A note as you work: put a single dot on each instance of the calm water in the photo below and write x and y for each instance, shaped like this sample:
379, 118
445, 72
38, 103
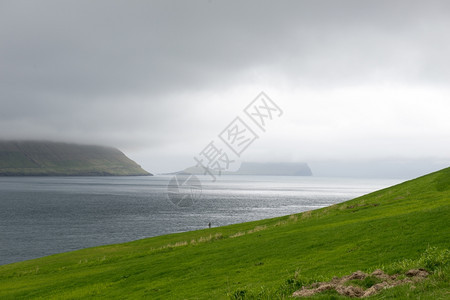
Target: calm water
45, 215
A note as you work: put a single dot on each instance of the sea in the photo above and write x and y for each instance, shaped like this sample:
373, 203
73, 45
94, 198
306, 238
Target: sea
41, 216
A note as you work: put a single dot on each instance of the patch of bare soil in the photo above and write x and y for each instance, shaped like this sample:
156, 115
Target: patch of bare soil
343, 288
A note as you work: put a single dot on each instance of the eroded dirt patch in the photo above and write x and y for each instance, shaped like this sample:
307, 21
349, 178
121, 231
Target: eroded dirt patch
345, 287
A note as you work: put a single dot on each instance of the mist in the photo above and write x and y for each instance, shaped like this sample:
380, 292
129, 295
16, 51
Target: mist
359, 83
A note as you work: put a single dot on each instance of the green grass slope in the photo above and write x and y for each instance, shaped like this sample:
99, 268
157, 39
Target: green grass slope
401, 227
25, 158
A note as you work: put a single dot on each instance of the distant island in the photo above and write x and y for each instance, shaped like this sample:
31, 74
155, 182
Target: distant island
44, 158
258, 168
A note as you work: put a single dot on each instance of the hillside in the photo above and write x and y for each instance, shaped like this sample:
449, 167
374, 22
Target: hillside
38, 158
395, 229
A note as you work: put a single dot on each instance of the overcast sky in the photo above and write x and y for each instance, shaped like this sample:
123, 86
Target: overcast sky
161, 79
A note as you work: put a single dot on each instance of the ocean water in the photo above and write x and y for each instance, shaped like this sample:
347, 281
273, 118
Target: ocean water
46, 215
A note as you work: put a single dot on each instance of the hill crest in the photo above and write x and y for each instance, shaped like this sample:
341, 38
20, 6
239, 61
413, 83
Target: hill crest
45, 158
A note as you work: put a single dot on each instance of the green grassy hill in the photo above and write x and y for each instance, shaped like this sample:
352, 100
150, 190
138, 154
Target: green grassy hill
25, 158
402, 227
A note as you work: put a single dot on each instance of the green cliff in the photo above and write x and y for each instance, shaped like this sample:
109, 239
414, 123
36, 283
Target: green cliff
43, 158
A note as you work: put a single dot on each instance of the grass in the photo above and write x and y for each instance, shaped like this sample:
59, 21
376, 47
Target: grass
366, 282
395, 228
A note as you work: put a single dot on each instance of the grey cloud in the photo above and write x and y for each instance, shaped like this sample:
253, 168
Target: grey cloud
91, 48
89, 69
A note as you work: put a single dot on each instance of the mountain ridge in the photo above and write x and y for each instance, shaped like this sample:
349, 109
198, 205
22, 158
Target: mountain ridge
257, 169
48, 158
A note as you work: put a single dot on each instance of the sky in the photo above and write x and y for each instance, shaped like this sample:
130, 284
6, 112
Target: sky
356, 80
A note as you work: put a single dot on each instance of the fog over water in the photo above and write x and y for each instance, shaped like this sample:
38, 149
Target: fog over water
361, 83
